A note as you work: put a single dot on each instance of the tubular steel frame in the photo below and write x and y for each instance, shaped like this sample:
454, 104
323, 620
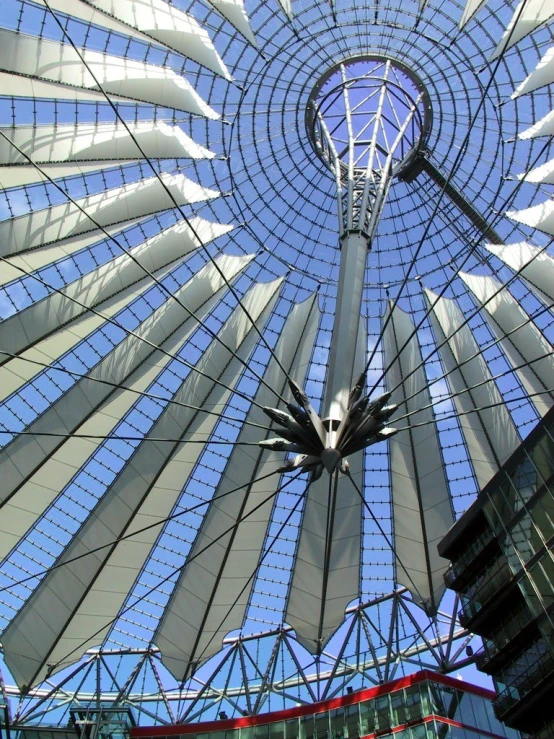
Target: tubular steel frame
95, 682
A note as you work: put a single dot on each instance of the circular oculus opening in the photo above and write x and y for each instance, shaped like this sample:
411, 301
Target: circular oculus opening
368, 108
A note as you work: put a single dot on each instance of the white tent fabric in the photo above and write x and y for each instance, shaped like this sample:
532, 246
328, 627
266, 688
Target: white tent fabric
326, 574
119, 205
20, 370
90, 340
471, 8
422, 512
14, 267
167, 25
287, 7
56, 62
534, 265
85, 142
45, 316
21, 175
168, 328
528, 16
489, 431
543, 174
24, 456
74, 605
539, 77
544, 127
15, 85
539, 216
79, 9
520, 339
235, 13
213, 591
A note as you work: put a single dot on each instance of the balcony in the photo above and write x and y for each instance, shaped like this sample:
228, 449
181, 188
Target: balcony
469, 562
505, 640
474, 602
530, 680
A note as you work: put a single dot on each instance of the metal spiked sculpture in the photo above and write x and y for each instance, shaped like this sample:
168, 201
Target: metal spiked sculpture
317, 445
366, 119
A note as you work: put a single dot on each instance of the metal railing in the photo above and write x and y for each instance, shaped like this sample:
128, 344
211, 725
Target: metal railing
525, 682
503, 636
474, 549
473, 603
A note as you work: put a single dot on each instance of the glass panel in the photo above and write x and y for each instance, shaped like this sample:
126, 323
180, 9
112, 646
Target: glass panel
482, 709
336, 719
542, 582
351, 721
413, 701
399, 711
543, 514
321, 725
383, 718
367, 718
292, 728
306, 727
543, 457
261, 732
276, 730
425, 699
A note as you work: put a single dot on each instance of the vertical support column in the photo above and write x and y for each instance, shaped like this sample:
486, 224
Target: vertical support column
340, 378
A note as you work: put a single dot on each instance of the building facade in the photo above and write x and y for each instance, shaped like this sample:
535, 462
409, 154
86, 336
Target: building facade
502, 569
421, 706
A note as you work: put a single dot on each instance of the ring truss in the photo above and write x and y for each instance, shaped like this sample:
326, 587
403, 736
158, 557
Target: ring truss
170, 258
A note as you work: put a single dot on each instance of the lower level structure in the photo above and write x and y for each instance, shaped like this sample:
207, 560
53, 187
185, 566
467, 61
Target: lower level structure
422, 706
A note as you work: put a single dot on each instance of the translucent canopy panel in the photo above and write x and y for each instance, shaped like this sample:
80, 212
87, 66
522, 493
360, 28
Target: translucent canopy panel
214, 216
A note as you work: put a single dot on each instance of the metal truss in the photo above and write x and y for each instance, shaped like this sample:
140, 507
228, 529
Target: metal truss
254, 673
367, 117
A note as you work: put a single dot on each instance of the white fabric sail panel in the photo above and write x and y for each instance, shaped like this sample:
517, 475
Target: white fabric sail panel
58, 309
490, 434
213, 591
287, 7
18, 265
56, 62
543, 174
545, 127
72, 608
25, 454
19, 370
86, 13
169, 26
528, 16
23, 509
15, 85
235, 13
534, 265
539, 216
316, 604
118, 205
520, 339
85, 142
542, 75
422, 511
471, 8
26, 174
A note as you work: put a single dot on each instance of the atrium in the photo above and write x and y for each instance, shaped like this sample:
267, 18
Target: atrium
276, 295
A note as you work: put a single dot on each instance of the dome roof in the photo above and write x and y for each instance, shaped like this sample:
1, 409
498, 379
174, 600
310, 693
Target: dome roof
171, 261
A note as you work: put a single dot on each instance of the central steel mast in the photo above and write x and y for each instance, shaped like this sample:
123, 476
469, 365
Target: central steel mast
366, 118
367, 128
